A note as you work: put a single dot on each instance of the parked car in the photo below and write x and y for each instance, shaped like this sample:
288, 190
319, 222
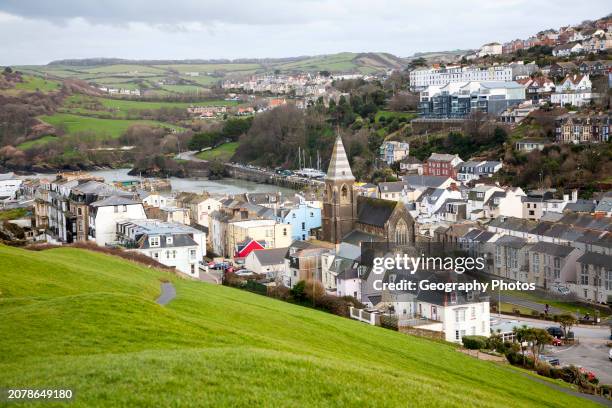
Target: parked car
555, 332
610, 354
557, 342
553, 361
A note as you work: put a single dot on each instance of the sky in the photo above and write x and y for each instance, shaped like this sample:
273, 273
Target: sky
39, 31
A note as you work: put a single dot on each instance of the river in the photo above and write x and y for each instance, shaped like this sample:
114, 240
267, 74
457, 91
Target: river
195, 185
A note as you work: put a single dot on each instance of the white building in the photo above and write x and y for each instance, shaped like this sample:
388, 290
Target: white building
171, 244
421, 78
574, 90
105, 214
493, 48
153, 199
9, 185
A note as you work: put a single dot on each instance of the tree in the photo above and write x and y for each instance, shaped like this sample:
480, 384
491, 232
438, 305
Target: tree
537, 339
567, 321
395, 166
521, 334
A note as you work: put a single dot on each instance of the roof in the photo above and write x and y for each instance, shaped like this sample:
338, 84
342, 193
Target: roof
442, 157
593, 258
273, 256
425, 181
374, 211
392, 186
511, 242
114, 200
552, 249
178, 240
356, 237
339, 167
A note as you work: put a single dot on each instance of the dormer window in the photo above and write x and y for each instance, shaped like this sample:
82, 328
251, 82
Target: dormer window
154, 241
169, 241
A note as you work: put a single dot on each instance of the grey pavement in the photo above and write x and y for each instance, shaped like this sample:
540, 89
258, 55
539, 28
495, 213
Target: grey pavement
168, 292
592, 354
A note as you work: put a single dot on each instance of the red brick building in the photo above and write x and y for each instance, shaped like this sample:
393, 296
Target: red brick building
441, 165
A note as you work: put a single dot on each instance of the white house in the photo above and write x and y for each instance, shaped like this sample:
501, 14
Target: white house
493, 48
270, 262
153, 199
565, 50
574, 90
172, 244
105, 214
9, 185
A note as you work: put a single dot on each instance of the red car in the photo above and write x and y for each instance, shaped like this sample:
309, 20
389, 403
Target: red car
557, 342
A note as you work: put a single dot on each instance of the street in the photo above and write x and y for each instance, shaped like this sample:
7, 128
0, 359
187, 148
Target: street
590, 352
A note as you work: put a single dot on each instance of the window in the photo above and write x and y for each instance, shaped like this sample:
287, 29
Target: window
284, 232
153, 241
557, 267
155, 255
472, 312
609, 279
459, 315
453, 298
79, 211
169, 240
584, 274
536, 264
192, 253
303, 225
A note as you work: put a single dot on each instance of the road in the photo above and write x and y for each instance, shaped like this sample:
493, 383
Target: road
190, 156
580, 332
525, 303
589, 353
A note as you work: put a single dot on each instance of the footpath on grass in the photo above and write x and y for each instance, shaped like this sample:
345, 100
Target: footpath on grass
168, 292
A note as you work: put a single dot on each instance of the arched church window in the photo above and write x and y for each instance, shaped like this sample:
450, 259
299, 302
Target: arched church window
401, 233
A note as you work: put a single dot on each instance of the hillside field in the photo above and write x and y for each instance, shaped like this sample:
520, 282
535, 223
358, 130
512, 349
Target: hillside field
88, 321
102, 128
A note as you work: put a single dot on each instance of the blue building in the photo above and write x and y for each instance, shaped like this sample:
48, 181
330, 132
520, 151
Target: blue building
303, 218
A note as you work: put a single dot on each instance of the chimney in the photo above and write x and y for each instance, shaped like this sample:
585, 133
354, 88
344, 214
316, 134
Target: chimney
566, 197
574, 195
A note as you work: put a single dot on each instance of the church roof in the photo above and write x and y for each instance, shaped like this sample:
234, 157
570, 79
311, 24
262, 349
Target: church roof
374, 211
339, 168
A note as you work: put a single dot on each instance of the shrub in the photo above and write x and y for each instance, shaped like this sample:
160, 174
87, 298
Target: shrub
544, 369
474, 342
389, 322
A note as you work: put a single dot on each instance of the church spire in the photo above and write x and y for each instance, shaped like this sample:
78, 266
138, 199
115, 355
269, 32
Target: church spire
339, 168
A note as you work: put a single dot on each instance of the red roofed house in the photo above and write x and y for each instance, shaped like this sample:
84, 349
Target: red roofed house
244, 248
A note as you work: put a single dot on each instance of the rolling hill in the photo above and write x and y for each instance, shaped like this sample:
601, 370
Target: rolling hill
192, 76
88, 321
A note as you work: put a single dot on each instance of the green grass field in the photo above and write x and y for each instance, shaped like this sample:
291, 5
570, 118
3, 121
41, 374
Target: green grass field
88, 321
124, 105
390, 115
102, 128
223, 153
36, 142
33, 83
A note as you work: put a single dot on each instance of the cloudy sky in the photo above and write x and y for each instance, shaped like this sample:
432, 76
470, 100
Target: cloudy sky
38, 31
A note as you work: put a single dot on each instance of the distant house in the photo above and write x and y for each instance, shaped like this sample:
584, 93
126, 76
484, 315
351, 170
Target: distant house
244, 248
106, 213
392, 151
561, 69
441, 165
9, 185
411, 165
565, 50
493, 48
572, 128
527, 145
473, 170
573, 90
270, 262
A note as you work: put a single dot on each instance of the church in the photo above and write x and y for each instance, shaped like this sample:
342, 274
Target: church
349, 217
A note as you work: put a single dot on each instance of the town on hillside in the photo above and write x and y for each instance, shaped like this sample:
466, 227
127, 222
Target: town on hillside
281, 179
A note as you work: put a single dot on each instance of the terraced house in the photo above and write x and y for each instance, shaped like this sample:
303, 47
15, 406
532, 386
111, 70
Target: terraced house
577, 128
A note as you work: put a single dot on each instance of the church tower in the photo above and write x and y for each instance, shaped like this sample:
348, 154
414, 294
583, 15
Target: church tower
340, 200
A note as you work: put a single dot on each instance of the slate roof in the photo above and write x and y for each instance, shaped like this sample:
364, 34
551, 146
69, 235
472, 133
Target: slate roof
552, 249
114, 200
392, 186
374, 211
356, 237
511, 242
178, 240
425, 181
594, 258
273, 256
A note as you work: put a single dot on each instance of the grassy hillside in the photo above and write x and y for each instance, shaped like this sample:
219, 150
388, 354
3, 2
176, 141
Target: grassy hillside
103, 128
178, 78
88, 321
